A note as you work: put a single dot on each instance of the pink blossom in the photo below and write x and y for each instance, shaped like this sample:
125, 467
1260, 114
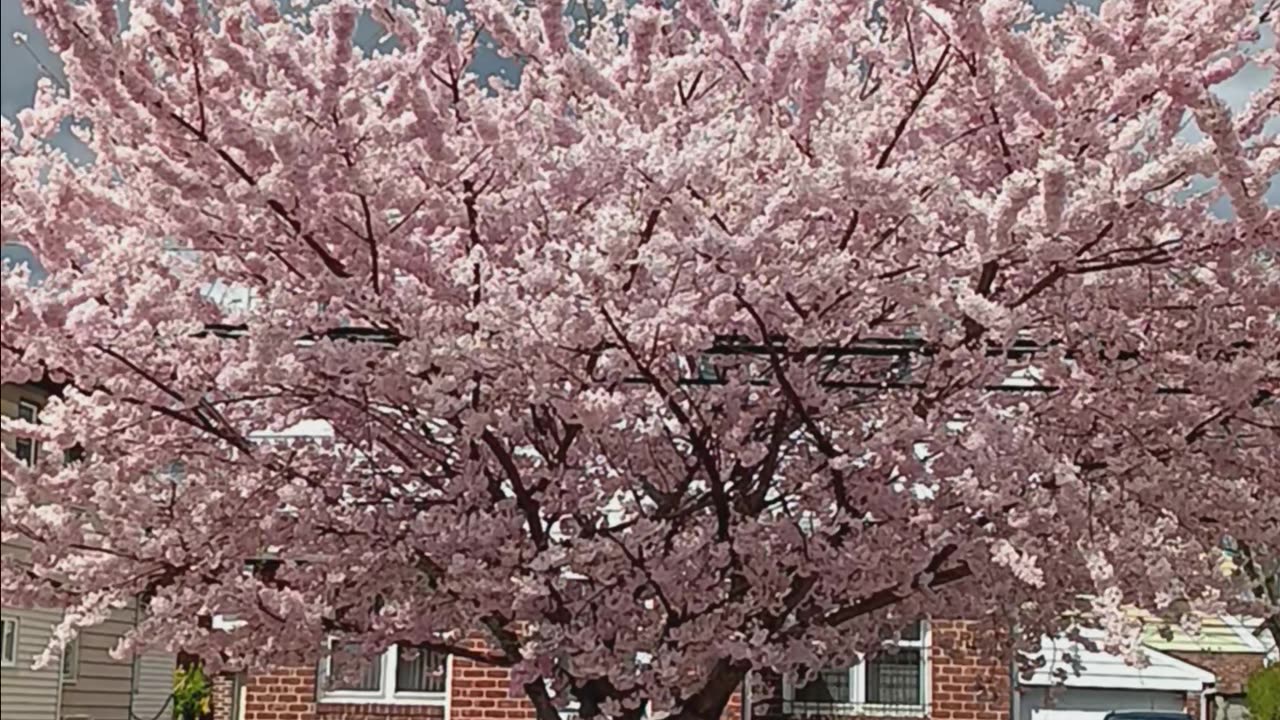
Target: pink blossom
668, 358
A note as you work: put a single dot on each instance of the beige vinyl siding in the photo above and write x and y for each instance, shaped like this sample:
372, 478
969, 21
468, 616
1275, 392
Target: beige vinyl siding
102, 687
26, 693
153, 684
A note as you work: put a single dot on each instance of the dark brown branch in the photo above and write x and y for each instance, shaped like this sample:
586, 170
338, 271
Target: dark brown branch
915, 105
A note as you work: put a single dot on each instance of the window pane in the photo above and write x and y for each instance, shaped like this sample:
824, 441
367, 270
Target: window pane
349, 671
72, 454
9, 641
419, 670
893, 678
830, 686
25, 450
71, 660
27, 411
912, 631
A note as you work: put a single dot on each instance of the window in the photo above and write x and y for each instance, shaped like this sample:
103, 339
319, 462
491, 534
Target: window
26, 449
349, 672
8, 642
895, 679
419, 670
71, 661
402, 675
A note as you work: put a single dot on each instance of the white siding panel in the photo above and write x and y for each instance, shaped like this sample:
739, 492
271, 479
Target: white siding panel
103, 685
26, 693
153, 684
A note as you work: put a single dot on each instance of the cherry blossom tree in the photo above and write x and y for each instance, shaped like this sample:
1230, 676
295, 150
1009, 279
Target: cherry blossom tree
730, 336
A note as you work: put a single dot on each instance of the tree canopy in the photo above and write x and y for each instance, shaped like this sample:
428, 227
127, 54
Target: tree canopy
731, 336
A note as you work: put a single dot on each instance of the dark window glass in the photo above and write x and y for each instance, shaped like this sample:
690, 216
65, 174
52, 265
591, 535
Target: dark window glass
419, 670
25, 450
349, 671
894, 678
831, 686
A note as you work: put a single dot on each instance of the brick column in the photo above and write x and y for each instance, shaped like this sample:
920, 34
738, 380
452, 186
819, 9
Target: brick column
282, 694
221, 696
969, 681
481, 692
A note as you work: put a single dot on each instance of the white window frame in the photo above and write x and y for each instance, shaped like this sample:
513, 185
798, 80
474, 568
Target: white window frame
35, 418
386, 694
72, 652
9, 628
858, 704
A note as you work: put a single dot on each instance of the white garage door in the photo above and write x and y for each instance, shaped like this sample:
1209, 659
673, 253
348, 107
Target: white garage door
1094, 704
1041, 714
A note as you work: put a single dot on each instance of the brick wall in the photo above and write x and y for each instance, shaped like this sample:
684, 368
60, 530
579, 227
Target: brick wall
1191, 705
969, 681
220, 696
485, 693
283, 694
1232, 669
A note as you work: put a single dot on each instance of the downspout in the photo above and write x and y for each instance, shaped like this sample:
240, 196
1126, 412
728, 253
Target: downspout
57, 699
133, 666
1015, 691
1204, 702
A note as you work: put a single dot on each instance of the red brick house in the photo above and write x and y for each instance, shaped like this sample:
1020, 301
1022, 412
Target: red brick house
940, 670
936, 672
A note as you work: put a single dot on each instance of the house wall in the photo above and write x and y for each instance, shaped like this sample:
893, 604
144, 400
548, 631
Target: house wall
102, 688
1232, 669
967, 683
476, 692
25, 693
153, 686
222, 697
28, 694
108, 689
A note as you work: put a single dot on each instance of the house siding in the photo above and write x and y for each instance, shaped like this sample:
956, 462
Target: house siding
30, 694
153, 686
103, 688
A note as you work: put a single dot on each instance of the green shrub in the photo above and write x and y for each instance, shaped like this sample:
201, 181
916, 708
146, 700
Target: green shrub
191, 693
1263, 693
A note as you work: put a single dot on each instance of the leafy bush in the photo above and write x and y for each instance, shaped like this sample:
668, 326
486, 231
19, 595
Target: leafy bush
1263, 693
191, 693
